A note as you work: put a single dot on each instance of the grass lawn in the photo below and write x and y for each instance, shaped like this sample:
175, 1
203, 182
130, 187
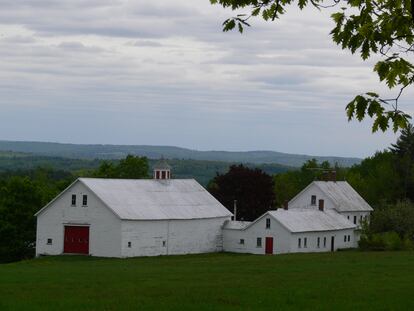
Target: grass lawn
331, 281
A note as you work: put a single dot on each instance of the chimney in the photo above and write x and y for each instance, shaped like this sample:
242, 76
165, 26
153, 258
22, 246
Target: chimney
321, 205
235, 210
286, 205
333, 176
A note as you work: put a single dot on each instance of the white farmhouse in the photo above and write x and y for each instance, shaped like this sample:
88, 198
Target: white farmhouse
325, 216
338, 196
125, 218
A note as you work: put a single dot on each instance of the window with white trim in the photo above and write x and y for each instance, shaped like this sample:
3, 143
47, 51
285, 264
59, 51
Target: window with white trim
259, 242
49, 241
267, 223
299, 243
305, 242
313, 200
241, 242
73, 199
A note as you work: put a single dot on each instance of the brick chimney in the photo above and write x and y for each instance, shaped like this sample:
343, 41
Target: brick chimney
321, 205
286, 205
333, 176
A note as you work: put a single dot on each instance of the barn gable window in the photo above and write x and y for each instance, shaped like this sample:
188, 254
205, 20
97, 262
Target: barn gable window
84, 200
313, 200
267, 223
49, 241
259, 242
73, 199
242, 241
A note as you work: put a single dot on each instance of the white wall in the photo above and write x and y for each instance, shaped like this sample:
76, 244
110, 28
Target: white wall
231, 238
105, 227
304, 199
168, 237
283, 240
312, 241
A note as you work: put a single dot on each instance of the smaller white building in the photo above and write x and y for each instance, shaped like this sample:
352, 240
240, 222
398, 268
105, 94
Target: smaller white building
325, 216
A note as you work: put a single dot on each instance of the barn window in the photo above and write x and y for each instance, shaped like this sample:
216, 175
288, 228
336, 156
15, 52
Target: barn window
259, 242
73, 199
319, 242
129, 244
163, 175
164, 243
49, 241
84, 200
242, 241
360, 219
324, 241
345, 237
355, 220
299, 243
348, 217
313, 200
305, 242
267, 223
349, 238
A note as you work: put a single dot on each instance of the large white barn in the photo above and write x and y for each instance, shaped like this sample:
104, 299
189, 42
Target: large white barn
125, 218
325, 216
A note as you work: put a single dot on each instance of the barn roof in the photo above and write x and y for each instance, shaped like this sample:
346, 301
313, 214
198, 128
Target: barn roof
305, 220
148, 199
342, 195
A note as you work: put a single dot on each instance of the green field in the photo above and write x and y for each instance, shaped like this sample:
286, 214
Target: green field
331, 281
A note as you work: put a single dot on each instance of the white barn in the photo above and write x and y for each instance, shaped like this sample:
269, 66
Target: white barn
125, 218
325, 216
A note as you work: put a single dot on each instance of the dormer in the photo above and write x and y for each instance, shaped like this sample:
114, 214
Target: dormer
162, 170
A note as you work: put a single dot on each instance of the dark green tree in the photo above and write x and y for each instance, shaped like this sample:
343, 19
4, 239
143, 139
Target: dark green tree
252, 188
404, 151
369, 27
20, 199
132, 167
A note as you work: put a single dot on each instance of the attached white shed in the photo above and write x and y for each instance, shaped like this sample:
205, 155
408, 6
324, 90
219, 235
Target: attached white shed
290, 231
125, 218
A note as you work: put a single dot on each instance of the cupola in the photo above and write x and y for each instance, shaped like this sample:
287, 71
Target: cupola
162, 170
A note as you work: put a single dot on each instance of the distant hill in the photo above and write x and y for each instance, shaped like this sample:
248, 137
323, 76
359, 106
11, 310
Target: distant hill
78, 151
202, 171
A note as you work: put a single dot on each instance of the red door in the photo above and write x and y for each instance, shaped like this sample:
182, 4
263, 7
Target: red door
269, 245
76, 240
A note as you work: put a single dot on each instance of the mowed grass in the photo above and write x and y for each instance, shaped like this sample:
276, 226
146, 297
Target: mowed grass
331, 281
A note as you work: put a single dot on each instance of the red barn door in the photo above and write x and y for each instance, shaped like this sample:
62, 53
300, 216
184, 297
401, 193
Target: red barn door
76, 240
269, 245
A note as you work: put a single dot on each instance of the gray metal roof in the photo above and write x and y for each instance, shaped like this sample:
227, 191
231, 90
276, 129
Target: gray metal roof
236, 225
143, 199
305, 220
344, 197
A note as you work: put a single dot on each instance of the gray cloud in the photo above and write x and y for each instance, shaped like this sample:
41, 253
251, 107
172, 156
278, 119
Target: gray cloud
165, 73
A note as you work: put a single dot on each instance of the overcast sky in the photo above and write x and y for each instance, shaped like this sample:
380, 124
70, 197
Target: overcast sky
163, 73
